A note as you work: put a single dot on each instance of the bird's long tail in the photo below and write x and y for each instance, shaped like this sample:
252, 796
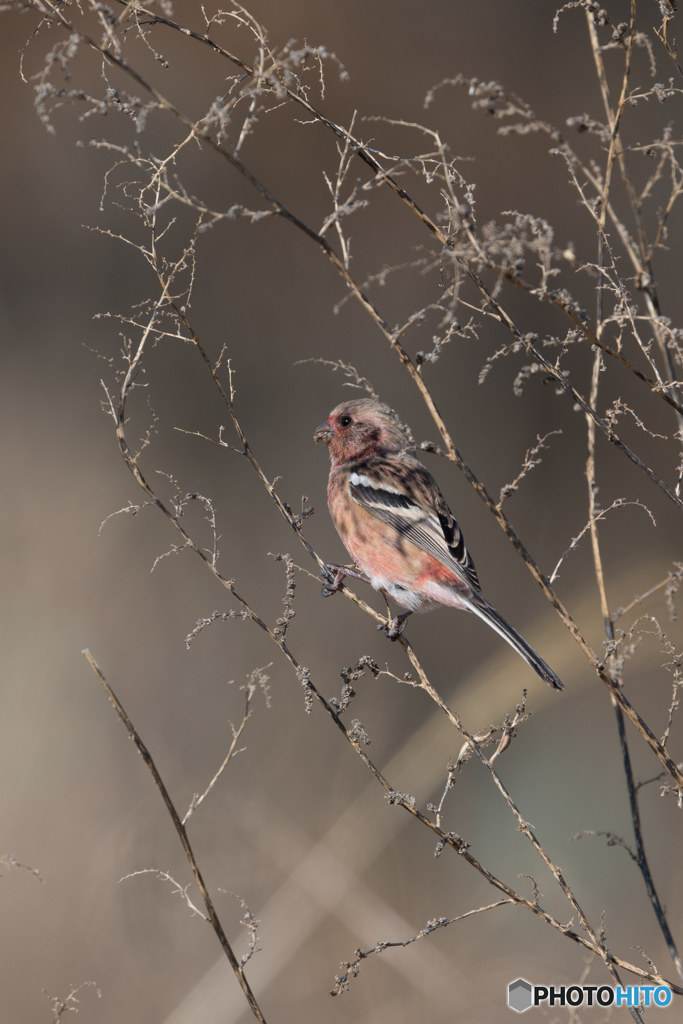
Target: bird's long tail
480, 606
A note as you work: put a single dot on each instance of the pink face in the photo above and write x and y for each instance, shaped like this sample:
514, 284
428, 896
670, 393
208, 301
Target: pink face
351, 434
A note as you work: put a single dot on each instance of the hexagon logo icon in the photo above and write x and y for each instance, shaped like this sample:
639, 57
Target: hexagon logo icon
519, 995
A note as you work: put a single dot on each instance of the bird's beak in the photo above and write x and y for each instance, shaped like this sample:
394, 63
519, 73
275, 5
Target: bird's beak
323, 432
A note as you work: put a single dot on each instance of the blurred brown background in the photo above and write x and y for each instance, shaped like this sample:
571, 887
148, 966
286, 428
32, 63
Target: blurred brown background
296, 826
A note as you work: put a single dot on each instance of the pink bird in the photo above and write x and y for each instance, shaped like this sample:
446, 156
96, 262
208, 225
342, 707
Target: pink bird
397, 527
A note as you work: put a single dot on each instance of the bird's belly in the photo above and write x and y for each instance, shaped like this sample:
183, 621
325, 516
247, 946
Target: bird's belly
382, 554
411, 576
405, 598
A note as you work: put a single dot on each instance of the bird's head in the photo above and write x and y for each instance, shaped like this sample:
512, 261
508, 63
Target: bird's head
362, 429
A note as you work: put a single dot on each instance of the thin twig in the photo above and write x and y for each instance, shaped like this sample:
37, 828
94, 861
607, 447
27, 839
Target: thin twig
352, 968
182, 835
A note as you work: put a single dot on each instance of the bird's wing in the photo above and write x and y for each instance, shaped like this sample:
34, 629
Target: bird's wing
431, 526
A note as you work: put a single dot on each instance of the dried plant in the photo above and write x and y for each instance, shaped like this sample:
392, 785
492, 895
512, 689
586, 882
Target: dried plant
471, 270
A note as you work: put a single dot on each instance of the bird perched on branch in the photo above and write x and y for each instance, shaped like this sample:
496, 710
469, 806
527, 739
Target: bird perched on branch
397, 527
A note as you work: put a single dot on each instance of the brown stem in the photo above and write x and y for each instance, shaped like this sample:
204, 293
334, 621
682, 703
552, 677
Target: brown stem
135, 363
457, 844
182, 835
659, 389
616, 146
505, 319
339, 265
371, 161
641, 857
522, 826
48, 8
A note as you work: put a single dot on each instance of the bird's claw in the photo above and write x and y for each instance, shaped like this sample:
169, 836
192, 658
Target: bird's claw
394, 628
332, 582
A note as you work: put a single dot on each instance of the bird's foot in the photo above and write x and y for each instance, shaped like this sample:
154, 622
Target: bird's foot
333, 576
332, 580
394, 628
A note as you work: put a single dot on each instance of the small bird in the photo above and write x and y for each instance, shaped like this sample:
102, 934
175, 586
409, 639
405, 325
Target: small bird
397, 527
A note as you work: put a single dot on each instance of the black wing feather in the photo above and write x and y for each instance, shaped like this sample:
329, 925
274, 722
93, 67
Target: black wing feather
434, 531
457, 547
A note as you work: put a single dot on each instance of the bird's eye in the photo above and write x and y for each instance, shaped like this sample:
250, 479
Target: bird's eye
345, 421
